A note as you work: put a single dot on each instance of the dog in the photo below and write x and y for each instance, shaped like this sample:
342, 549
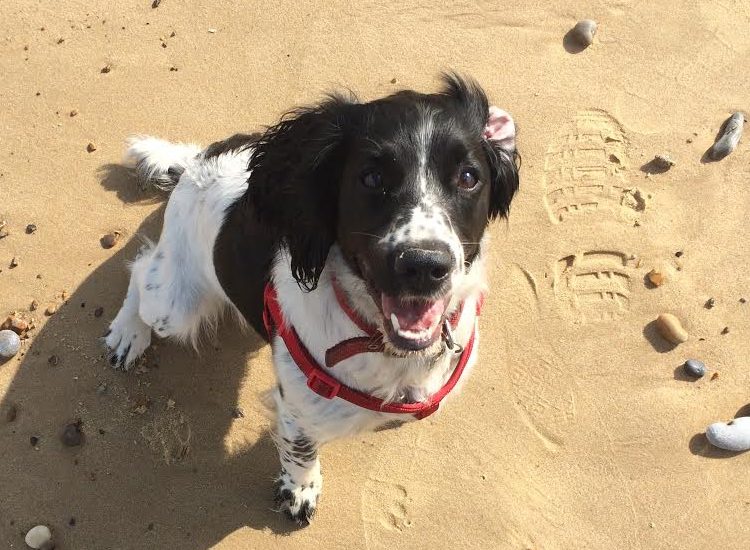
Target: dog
352, 237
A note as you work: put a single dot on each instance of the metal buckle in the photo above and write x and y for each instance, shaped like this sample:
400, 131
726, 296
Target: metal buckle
323, 387
448, 338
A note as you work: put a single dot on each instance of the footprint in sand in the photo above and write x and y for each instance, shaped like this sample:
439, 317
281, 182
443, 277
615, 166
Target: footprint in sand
585, 171
169, 436
384, 506
594, 285
542, 390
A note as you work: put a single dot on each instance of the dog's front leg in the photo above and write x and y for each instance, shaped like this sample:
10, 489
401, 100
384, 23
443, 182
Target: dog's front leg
299, 485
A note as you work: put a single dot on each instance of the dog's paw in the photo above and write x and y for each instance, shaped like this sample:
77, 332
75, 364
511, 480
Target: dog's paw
298, 502
126, 342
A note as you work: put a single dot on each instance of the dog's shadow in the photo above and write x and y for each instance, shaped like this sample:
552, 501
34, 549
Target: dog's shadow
154, 470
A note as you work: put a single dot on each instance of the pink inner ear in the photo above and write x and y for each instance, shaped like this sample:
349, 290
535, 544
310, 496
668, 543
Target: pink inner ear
501, 128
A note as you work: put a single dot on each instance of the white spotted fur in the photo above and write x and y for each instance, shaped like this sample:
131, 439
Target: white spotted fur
174, 291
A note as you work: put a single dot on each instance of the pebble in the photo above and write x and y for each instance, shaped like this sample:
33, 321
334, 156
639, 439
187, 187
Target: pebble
729, 138
72, 435
710, 303
663, 162
671, 328
14, 261
38, 537
110, 239
695, 368
98, 312
91, 147
731, 436
53, 360
51, 310
34, 440
725, 330
73, 113
16, 324
3, 231
584, 32
31, 228
656, 278
10, 343
107, 68
34, 305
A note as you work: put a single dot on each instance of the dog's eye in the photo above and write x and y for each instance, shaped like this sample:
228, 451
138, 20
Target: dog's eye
467, 179
372, 180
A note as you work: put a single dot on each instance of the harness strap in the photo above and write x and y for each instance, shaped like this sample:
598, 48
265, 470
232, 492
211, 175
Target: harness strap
325, 385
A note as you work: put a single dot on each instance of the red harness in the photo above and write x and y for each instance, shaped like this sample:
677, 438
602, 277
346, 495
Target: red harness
325, 385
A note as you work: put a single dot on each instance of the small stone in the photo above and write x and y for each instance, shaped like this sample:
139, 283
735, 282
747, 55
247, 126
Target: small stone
679, 253
714, 376
72, 435
725, 330
31, 228
212, 31
710, 303
73, 113
34, 305
729, 138
689, 140
110, 239
14, 262
731, 436
38, 537
10, 343
670, 328
101, 388
393, 80
72, 522
583, 32
173, 69
98, 312
656, 278
155, 4
16, 324
91, 147
34, 440
107, 68
53, 360
695, 368
51, 310
170, 404
238, 413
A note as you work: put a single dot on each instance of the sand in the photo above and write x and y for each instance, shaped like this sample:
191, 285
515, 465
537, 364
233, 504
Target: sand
577, 429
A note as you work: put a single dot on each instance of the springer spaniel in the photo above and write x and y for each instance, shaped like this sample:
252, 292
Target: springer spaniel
351, 236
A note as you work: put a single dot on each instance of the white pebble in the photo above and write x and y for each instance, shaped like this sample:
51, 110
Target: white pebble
732, 436
38, 536
10, 343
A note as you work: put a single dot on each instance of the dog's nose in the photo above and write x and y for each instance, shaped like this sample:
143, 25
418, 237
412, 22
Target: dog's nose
424, 266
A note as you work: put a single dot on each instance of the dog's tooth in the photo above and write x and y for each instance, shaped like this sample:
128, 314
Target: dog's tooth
394, 322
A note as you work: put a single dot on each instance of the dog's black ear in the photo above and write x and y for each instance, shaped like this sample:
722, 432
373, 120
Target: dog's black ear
294, 182
498, 132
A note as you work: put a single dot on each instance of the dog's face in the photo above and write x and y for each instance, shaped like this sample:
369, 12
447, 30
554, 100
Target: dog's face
405, 185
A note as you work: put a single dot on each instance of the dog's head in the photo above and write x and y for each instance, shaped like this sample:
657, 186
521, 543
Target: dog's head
405, 185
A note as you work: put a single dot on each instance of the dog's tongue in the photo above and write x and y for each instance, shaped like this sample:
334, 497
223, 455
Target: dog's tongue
413, 317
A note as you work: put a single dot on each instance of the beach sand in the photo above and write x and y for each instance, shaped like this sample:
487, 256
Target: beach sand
576, 430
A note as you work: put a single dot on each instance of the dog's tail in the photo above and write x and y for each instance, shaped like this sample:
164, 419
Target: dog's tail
158, 163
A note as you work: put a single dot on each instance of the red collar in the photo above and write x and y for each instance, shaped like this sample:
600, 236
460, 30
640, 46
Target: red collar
325, 385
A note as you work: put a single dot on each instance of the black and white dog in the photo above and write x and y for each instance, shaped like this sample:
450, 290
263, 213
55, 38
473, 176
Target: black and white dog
351, 234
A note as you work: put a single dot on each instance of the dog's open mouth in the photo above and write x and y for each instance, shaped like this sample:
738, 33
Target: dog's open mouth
413, 324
